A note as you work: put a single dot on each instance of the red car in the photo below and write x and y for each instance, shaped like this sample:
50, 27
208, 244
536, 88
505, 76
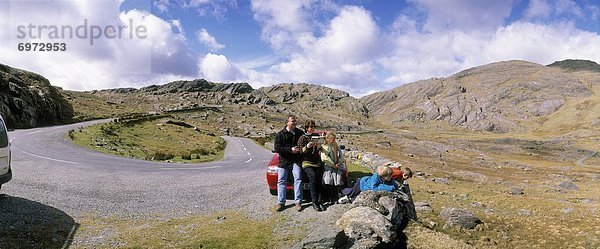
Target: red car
272, 178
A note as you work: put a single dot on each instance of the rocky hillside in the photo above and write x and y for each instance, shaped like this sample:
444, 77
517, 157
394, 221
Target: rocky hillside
577, 65
242, 109
28, 100
498, 97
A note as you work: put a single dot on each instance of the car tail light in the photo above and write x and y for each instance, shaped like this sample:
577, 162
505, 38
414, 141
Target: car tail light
274, 160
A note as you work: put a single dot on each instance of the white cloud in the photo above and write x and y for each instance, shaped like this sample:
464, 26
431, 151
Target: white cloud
162, 5
312, 41
208, 40
116, 62
284, 21
217, 68
177, 24
341, 58
543, 43
421, 55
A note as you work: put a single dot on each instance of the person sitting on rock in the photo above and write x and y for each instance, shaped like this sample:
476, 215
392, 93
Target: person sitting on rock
382, 180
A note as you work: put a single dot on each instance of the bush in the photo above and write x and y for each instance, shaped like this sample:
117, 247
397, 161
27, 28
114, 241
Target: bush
201, 151
162, 155
186, 156
221, 144
71, 134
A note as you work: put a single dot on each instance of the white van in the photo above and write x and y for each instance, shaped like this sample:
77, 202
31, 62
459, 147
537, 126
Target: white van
5, 171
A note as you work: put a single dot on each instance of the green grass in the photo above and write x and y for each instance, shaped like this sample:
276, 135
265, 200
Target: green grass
227, 229
151, 140
356, 171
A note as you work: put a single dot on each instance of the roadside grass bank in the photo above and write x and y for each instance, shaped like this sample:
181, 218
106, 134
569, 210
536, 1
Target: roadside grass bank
160, 139
225, 229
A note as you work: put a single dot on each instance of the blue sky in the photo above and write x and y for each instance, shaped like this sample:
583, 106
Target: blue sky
359, 46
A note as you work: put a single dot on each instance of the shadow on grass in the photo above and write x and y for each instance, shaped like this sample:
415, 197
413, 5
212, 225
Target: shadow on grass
29, 224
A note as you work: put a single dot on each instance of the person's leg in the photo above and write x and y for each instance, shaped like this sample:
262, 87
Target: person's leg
355, 190
320, 184
297, 171
311, 172
282, 174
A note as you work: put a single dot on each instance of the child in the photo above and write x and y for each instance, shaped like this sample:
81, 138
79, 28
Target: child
382, 180
398, 175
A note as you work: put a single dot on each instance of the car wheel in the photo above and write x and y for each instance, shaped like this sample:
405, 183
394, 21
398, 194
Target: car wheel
273, 191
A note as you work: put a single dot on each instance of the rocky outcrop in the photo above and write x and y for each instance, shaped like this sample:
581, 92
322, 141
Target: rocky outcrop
376, 220
28, 100
314, 97
577, 65
198, 85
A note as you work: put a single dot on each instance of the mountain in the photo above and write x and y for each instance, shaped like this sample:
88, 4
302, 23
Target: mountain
243, 110
510, 96
28, 100
577, 65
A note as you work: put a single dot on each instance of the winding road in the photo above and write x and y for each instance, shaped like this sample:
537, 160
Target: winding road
50, 170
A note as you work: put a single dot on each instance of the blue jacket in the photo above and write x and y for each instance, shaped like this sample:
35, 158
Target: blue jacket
375, 183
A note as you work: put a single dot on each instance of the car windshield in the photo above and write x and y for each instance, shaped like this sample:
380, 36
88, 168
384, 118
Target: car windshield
3, 135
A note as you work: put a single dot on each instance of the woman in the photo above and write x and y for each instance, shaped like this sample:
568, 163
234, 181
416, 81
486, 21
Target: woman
333, 160
311, 163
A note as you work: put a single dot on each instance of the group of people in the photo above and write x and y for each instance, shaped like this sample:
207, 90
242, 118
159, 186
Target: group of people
324, 164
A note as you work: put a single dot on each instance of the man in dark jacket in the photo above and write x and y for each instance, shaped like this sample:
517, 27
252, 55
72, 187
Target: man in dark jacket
290, 159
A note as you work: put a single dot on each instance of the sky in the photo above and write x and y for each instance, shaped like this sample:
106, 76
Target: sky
358, 46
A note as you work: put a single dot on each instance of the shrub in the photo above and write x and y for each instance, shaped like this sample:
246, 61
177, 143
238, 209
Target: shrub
201, 151
186, 156
221, 144
162, 155
71, 134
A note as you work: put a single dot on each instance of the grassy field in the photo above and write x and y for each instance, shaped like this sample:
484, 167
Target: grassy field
158, 139
481, 168
226, 229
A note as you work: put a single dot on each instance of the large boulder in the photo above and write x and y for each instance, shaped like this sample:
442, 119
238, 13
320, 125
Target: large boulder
454, 217
28, 100
375, 220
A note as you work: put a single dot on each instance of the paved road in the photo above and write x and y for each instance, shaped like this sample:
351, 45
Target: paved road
49, 170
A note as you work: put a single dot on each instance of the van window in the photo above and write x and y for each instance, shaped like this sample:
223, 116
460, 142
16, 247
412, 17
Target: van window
3, 135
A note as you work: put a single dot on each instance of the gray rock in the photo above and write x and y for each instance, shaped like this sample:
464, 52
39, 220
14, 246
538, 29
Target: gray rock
384, 144
441, 180
587, 201
525, 212
369, 199
567, 210
394, 210
515, 190
326, 239
454, 217
568, 185
423, 207
28, 100
364, 223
